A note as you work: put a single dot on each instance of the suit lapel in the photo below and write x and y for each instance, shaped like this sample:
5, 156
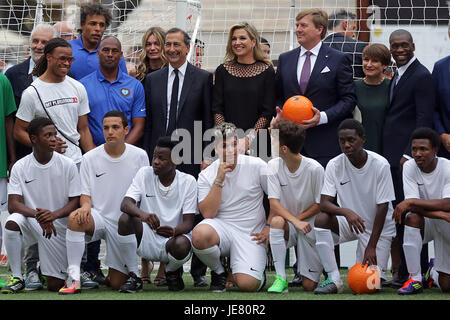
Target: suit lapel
187, 83
321, 62
165, 77
293, 71
408, 73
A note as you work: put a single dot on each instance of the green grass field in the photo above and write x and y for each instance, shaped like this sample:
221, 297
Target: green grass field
152, 292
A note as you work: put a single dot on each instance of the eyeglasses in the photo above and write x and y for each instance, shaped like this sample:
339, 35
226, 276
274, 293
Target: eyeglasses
63, 59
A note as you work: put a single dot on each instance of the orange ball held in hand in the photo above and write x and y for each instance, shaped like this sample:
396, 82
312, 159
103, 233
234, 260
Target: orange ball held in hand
297, 109
363, 279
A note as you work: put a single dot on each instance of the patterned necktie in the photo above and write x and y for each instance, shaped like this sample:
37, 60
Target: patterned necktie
393, 84
306, 72
173, 105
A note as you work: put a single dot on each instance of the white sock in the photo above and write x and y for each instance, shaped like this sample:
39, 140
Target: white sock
175, 264
278, 247
75, 244
13, 246
412, 246
128, 247
435, 276
211, 257
325, 249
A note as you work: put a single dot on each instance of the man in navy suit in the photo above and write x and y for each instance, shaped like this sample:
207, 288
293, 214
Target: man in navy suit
341, 26
21, 78
412, 103
323, 75
172, 105
441, 75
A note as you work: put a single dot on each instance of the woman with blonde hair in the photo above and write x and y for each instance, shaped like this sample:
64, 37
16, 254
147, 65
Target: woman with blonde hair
244, 90
152, 55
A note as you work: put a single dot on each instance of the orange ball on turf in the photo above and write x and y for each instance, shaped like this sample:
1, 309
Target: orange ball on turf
297, 109
363, 279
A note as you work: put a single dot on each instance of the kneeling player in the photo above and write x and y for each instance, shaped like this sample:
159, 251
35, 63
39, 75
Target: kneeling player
294, 187
163, 221
230, 193
43, 189
361, 181
106, 173
426, 183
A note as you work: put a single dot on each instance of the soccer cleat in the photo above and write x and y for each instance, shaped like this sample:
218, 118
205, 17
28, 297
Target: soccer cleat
411, 287
14, 285
74, 288
329, 287
201, 282
175, 280
98, 276
427, 280
218, 282
32, 281
279, 285
87, 282
132, 285
296, 282
3, 283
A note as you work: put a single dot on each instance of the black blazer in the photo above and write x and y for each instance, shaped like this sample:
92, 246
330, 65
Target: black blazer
351, 46
330, 89
194, 105
412, 105
20, 80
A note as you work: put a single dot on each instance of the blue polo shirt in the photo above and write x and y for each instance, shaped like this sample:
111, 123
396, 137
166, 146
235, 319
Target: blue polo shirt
87, 62
125, 94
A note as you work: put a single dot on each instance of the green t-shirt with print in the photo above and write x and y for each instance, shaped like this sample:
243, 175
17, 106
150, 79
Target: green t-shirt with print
7, 106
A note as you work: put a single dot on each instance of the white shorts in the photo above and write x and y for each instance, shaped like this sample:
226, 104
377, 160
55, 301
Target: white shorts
246, 256
153, 246
3, 194
108, 231
383, 245
308, 261
439, 231
52, 252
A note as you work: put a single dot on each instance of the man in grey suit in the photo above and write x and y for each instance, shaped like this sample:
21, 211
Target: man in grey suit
177, 96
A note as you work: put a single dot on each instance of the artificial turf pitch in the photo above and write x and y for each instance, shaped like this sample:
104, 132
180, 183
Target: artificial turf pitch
152, 292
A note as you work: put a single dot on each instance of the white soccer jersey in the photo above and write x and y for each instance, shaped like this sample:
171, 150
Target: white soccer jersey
361, 190
46, 186
299, 190
242, 192
106, 179
427, 186
168, 203
64, 102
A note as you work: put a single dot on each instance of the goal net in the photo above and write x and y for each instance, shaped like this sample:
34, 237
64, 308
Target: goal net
208, 22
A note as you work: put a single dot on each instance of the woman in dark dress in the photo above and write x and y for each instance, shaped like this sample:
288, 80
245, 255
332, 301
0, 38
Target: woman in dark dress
152, 58
372, 93
244, 90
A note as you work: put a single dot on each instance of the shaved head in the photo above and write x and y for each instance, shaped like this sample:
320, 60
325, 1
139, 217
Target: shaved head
108, 39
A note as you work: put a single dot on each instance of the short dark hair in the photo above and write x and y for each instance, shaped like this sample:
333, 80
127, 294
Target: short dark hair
428, 134
290, 135
377, 52
352, 124
401, 32
186, 38
117, 113
166, 142
42, 64
89, 9
263, 40
37, 124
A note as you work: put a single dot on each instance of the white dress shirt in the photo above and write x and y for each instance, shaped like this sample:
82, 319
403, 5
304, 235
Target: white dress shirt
181, 74
313, 58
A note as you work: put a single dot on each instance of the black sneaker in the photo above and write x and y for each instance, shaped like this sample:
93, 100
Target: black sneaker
218, 282
98, 277
201, 282
134, 284
296, 282
175, 280
14, 285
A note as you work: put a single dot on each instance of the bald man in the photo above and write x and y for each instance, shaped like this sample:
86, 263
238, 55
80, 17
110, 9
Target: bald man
111, 89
